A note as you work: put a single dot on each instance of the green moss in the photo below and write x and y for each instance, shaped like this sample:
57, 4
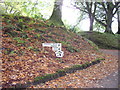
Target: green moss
100, 59
76, 66
56, 34
39, 31
64, 42
9, 51
84, 65
72, 49
34, 49
63, 72
93, 44
97, 60
42, 38
24, 35
52, 39
39, 78
87, 64
51, 76
13, 34
47, 77
18, 40
8, 21
77, 40
103, 40
60, 71
21, 41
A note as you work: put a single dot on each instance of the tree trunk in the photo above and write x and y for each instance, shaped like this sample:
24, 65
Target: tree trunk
56, 16
118, 15
91, 22
109, 22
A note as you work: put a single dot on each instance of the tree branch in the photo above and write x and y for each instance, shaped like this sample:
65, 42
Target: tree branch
100, 22
95, 5
80, 9
115, 11
102, 3
117, 6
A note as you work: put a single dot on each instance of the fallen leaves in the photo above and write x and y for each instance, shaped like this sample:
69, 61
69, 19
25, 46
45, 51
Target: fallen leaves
22, 62
85, 78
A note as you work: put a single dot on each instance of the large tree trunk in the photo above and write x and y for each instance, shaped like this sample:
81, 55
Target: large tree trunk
56, 16
91, 22
109, 22
91, 12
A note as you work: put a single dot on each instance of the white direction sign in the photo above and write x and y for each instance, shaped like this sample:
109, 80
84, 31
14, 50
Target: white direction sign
56, 47
59, 53
47, 44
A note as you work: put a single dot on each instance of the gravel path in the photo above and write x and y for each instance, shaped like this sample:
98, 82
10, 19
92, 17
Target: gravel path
111, 81
111, 52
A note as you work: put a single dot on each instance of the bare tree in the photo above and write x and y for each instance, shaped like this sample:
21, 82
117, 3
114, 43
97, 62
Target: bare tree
89, 8
108, 10
102, 12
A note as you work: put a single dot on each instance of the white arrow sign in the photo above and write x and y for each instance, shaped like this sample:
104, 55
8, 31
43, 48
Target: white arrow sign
56, 47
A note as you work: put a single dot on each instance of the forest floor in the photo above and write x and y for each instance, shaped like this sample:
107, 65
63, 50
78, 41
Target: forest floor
24, 58
102, 75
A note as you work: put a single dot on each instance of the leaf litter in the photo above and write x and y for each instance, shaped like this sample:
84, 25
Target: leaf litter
23, 58
86, 78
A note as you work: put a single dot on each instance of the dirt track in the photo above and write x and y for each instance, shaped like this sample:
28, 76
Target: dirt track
112, 52
110, 81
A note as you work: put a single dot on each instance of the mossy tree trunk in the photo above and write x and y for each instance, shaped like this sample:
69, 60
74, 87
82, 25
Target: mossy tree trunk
109, 16
56, 16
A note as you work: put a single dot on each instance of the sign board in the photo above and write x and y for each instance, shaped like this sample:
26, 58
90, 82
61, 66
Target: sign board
59, 53
47, 44
56, 47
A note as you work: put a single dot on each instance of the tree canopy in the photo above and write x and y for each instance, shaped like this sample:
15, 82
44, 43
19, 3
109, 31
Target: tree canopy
99, 13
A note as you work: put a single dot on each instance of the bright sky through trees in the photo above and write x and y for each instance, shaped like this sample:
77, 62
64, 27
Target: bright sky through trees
69, 14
